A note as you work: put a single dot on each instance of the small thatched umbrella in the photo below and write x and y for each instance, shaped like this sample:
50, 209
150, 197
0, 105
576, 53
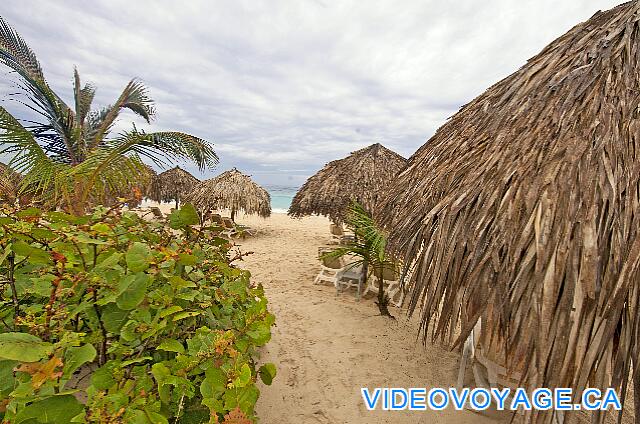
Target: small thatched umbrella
360, 176
173, 184
231, 190
523, 209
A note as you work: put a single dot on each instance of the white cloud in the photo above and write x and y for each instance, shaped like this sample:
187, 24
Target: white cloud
293, 84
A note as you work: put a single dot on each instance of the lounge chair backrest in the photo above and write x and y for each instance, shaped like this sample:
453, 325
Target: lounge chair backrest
336, 230
157, 212
228, 223
217, 219
333, 263
389, 274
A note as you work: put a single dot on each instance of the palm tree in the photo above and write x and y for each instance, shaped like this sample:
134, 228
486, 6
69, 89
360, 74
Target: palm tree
68, 154
368, 246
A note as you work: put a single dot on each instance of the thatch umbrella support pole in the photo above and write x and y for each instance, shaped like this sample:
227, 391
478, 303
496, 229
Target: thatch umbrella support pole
233, 215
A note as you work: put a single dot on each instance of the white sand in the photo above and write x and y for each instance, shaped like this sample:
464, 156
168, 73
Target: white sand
327, 347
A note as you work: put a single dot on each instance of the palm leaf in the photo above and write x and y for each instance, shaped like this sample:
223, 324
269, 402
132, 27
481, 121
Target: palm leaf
135, 98
165, 148
40, 172
83, 98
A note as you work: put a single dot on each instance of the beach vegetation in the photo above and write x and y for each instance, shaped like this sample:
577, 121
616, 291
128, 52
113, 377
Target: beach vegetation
107, 317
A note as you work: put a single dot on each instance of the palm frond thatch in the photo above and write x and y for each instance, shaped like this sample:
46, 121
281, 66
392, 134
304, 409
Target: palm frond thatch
361, 176
133, 191
173, 185
523, 209
231, 190
9, 184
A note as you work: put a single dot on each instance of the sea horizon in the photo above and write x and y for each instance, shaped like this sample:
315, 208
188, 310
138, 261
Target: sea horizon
281, 196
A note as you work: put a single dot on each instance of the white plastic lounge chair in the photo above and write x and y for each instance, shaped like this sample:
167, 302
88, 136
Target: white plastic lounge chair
336, 233
157, 213
329, 269
350, 276
487, 373
391, 286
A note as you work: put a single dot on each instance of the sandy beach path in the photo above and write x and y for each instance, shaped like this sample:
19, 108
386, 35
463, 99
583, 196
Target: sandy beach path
325, 346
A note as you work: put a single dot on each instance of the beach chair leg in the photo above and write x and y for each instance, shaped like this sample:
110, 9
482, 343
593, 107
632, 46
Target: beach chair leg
478, 375
492, 376
466, 353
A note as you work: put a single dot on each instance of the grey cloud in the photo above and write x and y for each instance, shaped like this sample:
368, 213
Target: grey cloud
292, 85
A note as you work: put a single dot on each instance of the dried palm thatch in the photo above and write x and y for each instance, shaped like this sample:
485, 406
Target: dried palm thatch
145, 186
9, 184
231, 190
173, 185
523, 209
361, 176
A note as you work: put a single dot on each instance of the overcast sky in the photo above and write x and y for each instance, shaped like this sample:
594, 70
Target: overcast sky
282, 87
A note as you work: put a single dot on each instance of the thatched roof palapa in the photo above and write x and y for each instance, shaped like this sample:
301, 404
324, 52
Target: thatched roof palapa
360, 176
231, 190
173, 185
524, 209
9, 184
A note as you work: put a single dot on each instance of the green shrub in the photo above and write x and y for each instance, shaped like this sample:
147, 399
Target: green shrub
109, 318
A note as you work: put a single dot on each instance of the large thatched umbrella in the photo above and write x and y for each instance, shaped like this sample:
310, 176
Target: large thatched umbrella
173, 184
231, 190
523, 209
360, 176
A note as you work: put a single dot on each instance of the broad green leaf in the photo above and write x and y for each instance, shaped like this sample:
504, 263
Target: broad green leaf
214, 384
267, 373
101, 228
186, 259
54, 409
260, 333
110, 262
134, 293
171, 345
170, 310
23, 347
30, 212
180, 283
242, 397
138, 257
102, 378
35, 255
6, 376
156, 418
184, 217
161, 373
185, 314
113, 317
83, 238
244, 377
75, 357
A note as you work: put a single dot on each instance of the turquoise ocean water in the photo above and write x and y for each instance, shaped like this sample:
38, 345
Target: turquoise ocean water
281, 197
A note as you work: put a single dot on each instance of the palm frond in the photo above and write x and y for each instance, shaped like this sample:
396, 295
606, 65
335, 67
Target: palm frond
165, 148
83, 98
40, 172
135, 98
15, 53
